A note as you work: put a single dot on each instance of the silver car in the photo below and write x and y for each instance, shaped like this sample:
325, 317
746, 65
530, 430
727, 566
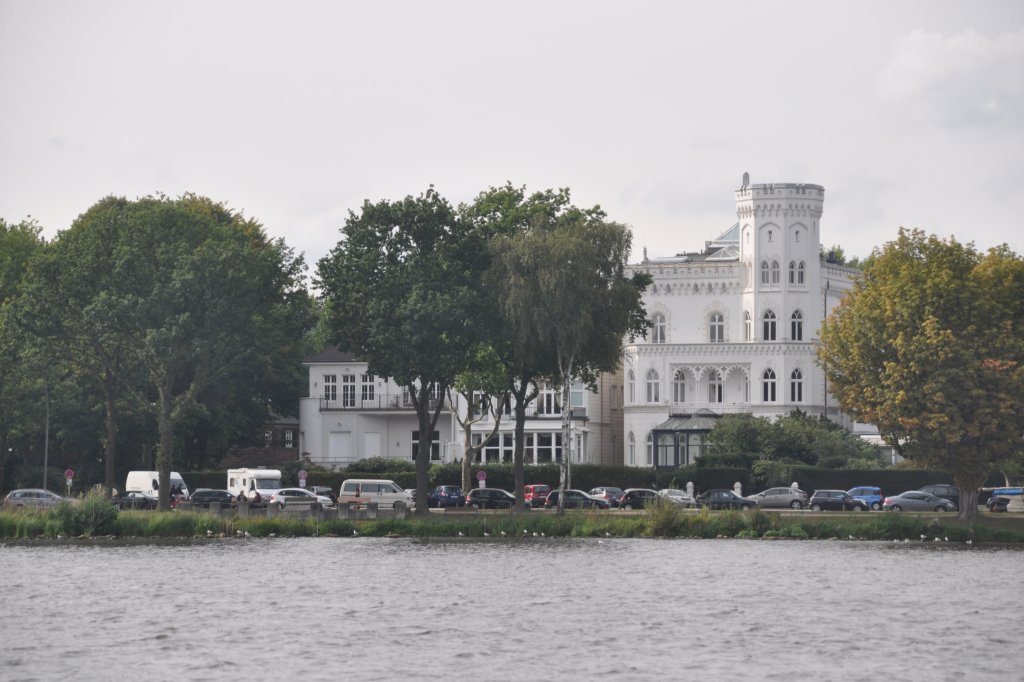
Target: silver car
678, 496
34, 498
781, 498
917, 500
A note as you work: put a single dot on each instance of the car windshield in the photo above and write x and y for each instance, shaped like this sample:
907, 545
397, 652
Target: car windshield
267, 483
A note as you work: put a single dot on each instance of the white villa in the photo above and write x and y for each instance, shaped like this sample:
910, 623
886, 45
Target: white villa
734, 327
733, 331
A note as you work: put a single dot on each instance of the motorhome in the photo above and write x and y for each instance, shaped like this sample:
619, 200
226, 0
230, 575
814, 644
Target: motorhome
149, 482
266, 482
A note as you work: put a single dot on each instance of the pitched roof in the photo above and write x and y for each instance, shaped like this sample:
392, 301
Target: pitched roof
329, 356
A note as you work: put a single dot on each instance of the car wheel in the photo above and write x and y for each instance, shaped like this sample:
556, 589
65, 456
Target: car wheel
815, 507
896, 508
940, 508
745, 507
858, 508
796, 504
876, 506
628, 506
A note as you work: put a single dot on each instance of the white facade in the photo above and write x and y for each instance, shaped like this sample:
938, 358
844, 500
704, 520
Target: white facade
734, 327
351, 415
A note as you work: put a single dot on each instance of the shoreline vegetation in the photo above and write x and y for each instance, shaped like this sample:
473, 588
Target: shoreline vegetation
95, 520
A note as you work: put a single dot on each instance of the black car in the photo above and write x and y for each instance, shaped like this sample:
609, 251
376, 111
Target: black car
204, 496
324, 491
575, 499
724, 499
137, 499
490, 498
637, 498
946, 491
446, 496
836, 500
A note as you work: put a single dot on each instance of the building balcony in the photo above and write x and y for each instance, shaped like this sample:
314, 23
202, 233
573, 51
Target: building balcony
388, 402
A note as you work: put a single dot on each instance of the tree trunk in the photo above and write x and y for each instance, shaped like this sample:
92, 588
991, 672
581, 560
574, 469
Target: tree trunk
520, 442
110, 447
969, 501
563, 470
165, 453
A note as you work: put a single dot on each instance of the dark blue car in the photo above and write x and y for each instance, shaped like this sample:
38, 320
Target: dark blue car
446, 496
870, 494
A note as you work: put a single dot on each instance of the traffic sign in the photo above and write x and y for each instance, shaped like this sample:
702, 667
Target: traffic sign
69, 474
481, 475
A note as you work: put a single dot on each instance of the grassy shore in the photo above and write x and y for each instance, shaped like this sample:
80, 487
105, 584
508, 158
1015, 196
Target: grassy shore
664, 521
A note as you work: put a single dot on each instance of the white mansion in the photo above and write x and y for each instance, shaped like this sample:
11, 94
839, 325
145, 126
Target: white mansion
733, 331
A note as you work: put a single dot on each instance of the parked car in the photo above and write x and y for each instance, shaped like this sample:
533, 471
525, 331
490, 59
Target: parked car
946, 491
204, 496
608, 494
286, 496
324, 490
870, 494
781, 498
138, 499
836, 500
575, 499
997, 503
637, 498
490, 498
678, 496
917, 500
31, 498
535, 494
724, 499
446, 496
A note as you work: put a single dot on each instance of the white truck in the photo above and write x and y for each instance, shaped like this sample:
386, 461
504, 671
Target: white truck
149, 482
252, 482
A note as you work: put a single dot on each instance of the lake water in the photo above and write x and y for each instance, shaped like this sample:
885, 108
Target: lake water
615, 609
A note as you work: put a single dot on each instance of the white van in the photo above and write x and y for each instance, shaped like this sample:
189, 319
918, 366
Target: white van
266, 482
382, 491
149, 482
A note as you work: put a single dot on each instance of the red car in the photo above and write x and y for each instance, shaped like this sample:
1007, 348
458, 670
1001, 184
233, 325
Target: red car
535, 494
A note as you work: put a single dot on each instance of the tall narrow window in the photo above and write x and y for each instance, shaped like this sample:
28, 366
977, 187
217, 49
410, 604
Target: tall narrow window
769, 326
632, 449
764, 272
650, 449
792, 272
768, 386
367, 388
796, 326
679, 386
775, 272
748, 327
796, 387
715, 392
348, 390
717, 326
548, 400
658, 329
632, 387
330, 387
800, 273
652, 387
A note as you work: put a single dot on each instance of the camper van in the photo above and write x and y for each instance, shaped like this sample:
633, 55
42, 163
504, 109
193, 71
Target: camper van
363, 490
149, 482
266, 482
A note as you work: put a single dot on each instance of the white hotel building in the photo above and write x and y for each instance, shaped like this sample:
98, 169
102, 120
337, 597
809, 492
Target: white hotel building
734, 327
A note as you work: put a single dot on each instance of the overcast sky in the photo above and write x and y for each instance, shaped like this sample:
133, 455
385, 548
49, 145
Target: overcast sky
908, 113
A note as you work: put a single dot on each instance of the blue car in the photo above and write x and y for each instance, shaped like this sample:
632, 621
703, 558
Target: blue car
870, 494
446, 496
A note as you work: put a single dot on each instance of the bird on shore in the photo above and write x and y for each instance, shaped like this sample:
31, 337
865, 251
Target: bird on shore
461, 534
486, 534
354, 532
503, 533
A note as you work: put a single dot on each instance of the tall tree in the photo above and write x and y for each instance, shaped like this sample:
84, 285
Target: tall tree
403, 286
559, 278
929, 346
484, 392
174, 297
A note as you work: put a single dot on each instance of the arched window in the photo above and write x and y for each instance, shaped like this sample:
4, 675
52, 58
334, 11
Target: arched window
768, 386
796, 387
769, 326
792, 272
775, 272
764, 272
715, 386
717, 327
652, 387
632, 387
746, 389
650, 449
796, 326
632, 449
748, 327
658, 326
679, 386
800, 273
